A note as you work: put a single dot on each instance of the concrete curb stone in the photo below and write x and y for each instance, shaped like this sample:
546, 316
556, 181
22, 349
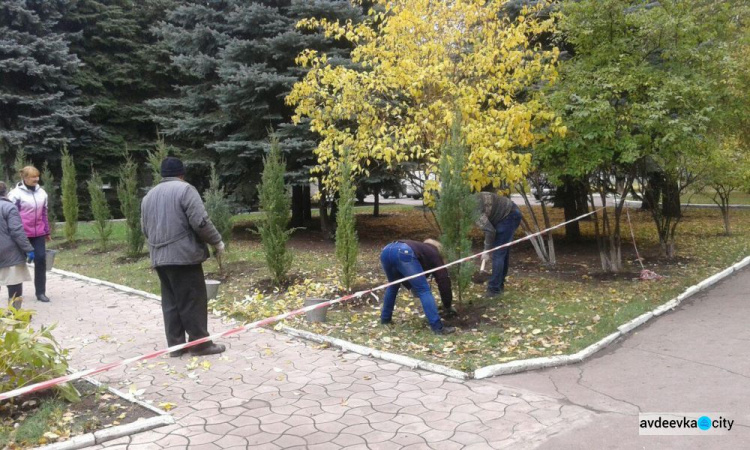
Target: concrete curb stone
482, 372
119, 287
107, 434
406, 361
638, 321
670, 305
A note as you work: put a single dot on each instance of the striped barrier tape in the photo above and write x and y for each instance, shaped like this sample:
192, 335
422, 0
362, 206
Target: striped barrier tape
260, 323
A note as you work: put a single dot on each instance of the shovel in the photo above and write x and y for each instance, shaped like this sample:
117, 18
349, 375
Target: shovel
482, 276
221, 267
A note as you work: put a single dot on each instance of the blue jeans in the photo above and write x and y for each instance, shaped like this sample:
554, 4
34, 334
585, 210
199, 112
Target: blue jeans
398, 261
504, 232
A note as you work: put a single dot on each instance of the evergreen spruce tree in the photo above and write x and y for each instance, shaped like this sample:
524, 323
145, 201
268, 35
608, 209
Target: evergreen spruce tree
347, 245
69, 195
130, 205
218, 208
100, 210
456, 210
48, 183
124, 65
275, 204
38, 99
237, 60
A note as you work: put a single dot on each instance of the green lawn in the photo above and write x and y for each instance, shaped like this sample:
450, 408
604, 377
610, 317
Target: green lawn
546, 310
736, 198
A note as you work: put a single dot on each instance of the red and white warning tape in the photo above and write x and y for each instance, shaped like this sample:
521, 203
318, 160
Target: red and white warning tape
260, 323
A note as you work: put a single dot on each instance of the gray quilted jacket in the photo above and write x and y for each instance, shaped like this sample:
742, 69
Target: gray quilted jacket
13, 241
176, 224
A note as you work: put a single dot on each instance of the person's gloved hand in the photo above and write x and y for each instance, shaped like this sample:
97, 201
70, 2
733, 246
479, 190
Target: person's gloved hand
449, 312
30, 257
219, 249
487, 259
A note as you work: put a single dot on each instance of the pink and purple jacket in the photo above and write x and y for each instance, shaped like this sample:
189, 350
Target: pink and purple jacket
32, 205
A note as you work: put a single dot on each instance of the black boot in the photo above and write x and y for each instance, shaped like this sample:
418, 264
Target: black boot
212, 349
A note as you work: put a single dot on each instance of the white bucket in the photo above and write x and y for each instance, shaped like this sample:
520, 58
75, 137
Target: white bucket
212, 288
316, 315
50, 256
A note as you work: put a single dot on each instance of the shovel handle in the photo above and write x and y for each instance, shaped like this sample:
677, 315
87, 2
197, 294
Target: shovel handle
481, 267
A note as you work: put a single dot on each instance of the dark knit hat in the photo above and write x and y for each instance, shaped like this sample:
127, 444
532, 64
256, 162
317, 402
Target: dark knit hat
172, 167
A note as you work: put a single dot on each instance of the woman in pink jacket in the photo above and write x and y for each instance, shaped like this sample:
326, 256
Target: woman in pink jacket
31, 201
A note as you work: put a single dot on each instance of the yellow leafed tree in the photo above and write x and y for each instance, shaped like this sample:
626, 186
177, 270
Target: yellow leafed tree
415, 64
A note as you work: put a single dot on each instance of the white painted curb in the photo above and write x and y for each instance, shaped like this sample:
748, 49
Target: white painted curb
119, 287
638, 321
482, 372
107, 434
386, 356
540, 363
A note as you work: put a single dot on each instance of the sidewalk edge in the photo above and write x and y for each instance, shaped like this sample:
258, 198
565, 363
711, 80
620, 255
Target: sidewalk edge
107, 434
119, 287
486, 371
622, 330
386, 356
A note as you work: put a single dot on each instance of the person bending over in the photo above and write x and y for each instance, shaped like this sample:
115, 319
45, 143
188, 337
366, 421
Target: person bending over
405, 258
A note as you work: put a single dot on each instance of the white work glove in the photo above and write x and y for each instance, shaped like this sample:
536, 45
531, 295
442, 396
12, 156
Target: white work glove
219, 248
486, 264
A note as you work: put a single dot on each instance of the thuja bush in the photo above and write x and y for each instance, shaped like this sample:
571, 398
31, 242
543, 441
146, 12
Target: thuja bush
100, 211
275, 204
456, 210
69, 196
155, 158
48, 183
218, 207
130, 205
347, 245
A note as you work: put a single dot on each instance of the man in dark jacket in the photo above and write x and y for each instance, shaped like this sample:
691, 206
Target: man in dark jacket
499, 218
401, 259
177, 229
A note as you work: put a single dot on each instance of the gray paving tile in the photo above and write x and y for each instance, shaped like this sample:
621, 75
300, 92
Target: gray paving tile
270, 391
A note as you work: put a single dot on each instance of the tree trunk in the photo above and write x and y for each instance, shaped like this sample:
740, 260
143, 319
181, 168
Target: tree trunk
671, 199
376, 206
725, 216
306, 203
652, 191
571, 196
298, 213
325, 221
668, 248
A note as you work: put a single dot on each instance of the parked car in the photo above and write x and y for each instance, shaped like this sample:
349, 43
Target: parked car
413, 184
547, 192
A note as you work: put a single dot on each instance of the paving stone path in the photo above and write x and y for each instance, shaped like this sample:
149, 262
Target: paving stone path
271, 391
